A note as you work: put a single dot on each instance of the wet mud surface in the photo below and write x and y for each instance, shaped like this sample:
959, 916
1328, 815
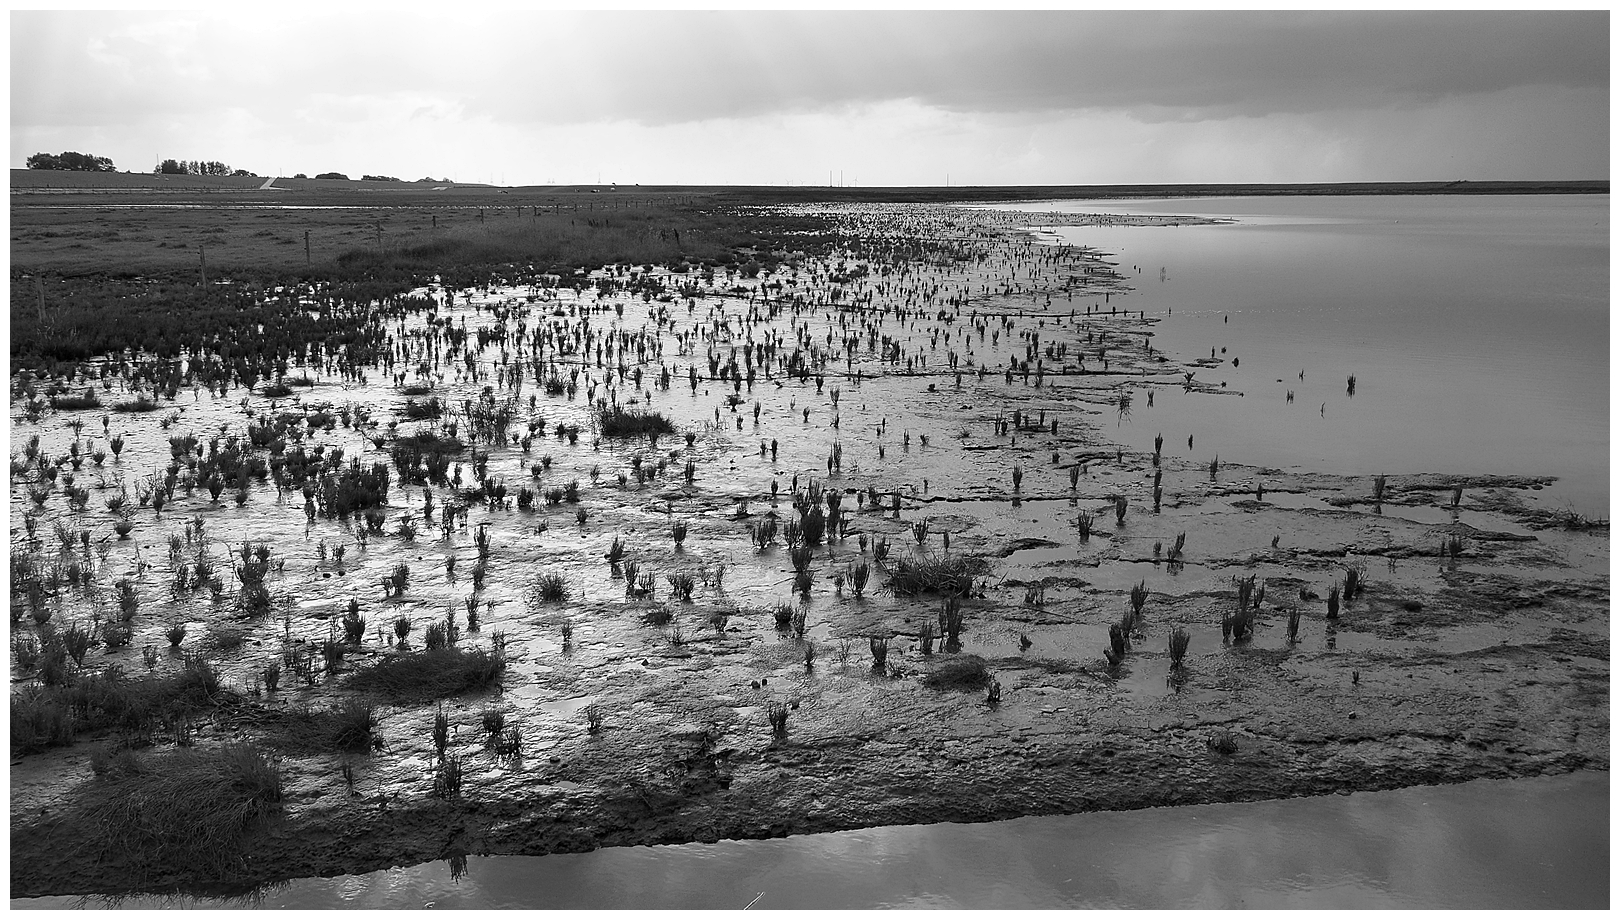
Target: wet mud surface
964, 381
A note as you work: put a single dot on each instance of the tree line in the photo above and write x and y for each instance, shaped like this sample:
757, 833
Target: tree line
198, 168
71, 161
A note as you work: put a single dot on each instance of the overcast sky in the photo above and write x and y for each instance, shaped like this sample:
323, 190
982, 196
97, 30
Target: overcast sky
777, 98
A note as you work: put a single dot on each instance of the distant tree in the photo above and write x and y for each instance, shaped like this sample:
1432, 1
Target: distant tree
331, 175
243, 172
170, 168
378, 179
299, 176
70, 161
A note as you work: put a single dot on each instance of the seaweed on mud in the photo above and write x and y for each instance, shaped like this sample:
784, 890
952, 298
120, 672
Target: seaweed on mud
430, 674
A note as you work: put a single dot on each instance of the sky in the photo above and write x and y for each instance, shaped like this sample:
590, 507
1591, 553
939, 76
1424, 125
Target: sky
779, 98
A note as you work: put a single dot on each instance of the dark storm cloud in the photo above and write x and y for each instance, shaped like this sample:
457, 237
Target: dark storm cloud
660, 68
664, 68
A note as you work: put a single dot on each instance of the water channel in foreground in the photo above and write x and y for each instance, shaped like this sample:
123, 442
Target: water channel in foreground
1527, 843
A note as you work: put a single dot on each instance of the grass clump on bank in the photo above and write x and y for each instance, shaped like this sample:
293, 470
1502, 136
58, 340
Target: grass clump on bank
189, 808
430, 674
936, 574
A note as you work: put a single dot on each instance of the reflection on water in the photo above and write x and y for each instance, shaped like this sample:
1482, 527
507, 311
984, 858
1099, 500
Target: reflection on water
1531, 843
1477, 328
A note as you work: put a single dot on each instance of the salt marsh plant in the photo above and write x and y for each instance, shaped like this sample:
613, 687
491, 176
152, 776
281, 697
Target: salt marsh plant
1083, 525
397, 581
189, 807
1293, 625
1119, 510
441, 732
782, 616
1139, 597
1179, 641
936, 574
354, 625
1333, 603
950, 623
550, 588
593, 718
880, 651
677, 531
682, 584
1238, 624
858, 573
447, 779
1355, 578
958, 672
777, 713
429, 675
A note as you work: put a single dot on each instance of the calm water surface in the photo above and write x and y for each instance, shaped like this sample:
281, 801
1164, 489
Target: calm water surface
1477, 328
1532, 843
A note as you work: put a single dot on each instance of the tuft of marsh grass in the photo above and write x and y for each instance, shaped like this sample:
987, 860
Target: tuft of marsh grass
958, 672
430, 674
190, 807
447, 779
936, 574
619, 422
1355, 581
777, 713
1179, 641
347, 725
550, 588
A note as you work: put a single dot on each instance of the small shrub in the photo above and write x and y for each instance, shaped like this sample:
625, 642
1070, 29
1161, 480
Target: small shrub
1223, 743
777, 713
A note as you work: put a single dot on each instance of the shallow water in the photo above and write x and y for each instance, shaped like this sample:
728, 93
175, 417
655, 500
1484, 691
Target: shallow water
1487, 844
1477, 328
